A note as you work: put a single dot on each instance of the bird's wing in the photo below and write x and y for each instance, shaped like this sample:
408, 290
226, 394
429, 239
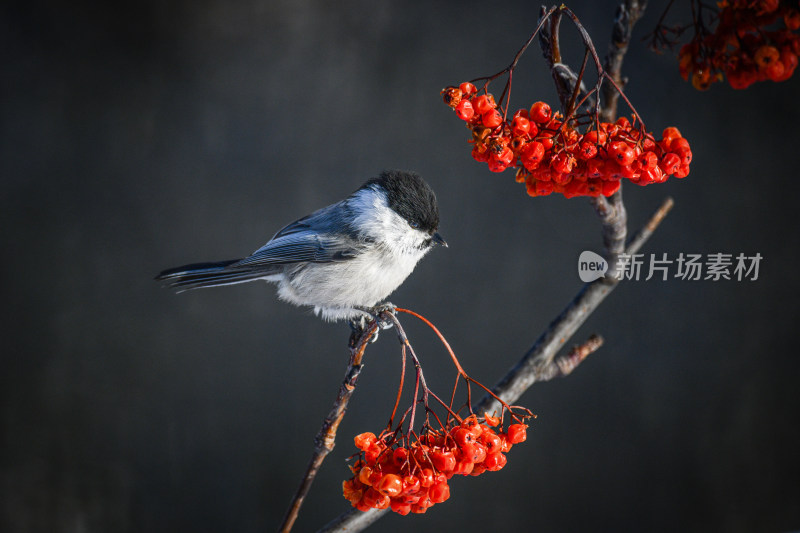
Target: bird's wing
321, 221
299, 247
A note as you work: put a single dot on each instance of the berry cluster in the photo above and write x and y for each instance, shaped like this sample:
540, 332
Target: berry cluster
742, 47
552, 156
410, 478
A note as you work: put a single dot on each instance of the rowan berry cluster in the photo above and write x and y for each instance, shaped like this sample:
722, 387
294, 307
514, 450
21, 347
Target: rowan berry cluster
742, 47
410, 478
552, 156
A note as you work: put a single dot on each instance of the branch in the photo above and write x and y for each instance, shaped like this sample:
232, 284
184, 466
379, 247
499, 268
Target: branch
326, 436
628, 13
614, 220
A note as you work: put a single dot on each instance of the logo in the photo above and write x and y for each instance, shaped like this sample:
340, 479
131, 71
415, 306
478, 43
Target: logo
591, 266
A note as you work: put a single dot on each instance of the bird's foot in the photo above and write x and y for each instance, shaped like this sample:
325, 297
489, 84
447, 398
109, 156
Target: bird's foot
377, 313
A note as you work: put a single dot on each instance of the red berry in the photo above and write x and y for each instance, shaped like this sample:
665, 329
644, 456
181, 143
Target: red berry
546, 138
399, 456
364, 475
496, 461
372, 453
390, 484
483, 103
595, 137
647, 161
467, 89
520, 126
506, 445
792, 19
505, 157
655, 175
463, 468
426, 477
766, 55
670, 163
774, 71
491, 420
481, 153
471, 423
491, 440
361, 506
464, 110
789, 60
521, 113
491, 118
462, 436
682, 171
563, 163
532, 155
686, 157
670, 133
400, 507
540, 112
610, 187
621, 152
375, 499
439, 492
496, 166
587, 150
517, 433
365, 440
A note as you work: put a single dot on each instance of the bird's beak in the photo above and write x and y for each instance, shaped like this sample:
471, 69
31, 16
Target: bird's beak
438, 239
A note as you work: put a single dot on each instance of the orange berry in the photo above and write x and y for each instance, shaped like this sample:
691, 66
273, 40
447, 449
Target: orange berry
765, 56
498, 460
483, 103
491, 420
467, 89
491, 118
390, 485
365, 440
540, 112
517, 433
439, 492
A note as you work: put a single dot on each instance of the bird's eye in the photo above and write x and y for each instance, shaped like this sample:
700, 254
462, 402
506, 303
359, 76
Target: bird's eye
414, 224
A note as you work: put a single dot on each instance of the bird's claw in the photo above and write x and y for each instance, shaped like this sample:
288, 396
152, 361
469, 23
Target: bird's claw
359, 325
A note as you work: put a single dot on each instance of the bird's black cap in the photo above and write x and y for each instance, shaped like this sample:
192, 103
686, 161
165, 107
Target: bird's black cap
410, 197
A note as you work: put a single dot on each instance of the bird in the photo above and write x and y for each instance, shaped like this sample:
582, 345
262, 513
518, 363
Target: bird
342, 260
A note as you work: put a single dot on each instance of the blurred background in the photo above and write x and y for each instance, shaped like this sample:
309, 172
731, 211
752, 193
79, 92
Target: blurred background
141, 136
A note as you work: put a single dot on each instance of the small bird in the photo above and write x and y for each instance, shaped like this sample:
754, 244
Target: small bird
343, 259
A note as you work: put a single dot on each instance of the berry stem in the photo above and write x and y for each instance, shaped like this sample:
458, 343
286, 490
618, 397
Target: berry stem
402, 381
438, 334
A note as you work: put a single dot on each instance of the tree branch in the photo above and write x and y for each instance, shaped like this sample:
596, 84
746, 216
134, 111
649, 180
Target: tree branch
325, 440
628, 13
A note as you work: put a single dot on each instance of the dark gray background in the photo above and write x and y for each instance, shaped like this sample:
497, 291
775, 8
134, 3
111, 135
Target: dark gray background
140, 136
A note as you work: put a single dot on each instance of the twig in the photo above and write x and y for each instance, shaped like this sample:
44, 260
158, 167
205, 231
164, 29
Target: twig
628, 13
326, 436
564, 365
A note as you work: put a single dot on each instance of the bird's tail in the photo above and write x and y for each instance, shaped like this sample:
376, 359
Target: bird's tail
198, 275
